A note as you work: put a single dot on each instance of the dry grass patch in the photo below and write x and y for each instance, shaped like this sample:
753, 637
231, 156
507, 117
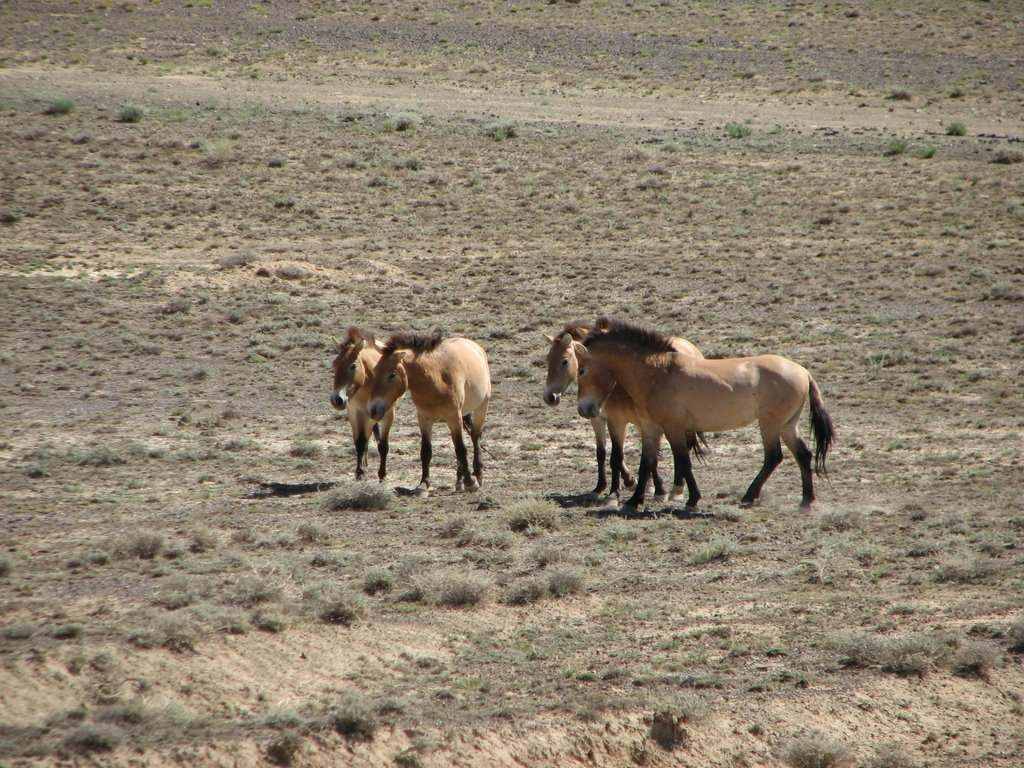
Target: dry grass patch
532, 514
341, 607
353, 718
366, 499
816, 750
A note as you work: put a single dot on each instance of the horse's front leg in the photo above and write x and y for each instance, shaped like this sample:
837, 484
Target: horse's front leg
651, 440
600, 433
360, 434
683, 470
426, 453
617, 432
382, 430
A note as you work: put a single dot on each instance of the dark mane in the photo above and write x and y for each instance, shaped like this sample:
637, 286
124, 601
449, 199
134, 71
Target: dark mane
417, 342
578, 329
611, 331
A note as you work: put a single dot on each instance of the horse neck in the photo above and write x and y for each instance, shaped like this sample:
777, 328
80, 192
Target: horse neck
629, 366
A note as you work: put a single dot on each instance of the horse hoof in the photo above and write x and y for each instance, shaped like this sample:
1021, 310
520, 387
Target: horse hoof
746, 503
471, 485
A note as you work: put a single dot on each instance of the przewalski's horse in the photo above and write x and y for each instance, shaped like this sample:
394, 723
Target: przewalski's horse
618, 410
357, 356
449, 381
677, 394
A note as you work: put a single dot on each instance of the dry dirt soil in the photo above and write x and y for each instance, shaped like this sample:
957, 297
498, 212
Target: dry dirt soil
197, 198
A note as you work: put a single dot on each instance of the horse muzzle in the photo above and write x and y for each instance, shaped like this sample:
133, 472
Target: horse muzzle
339, 401
377, 410
588, 410
552, 398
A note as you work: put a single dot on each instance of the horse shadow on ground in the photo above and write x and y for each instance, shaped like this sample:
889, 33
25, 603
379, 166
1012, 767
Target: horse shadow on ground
597, 506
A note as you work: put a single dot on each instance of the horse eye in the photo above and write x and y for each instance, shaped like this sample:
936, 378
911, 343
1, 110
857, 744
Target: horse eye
352, 367
391, 376
565, 363
583, 371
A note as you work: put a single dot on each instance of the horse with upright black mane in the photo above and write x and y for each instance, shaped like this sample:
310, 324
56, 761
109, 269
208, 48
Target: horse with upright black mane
676, 395
450, 381
617, 411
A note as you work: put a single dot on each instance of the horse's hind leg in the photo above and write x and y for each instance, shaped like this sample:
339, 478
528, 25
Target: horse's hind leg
426, 453
476, 428
684, 471
772, 459
463, 479
803, 457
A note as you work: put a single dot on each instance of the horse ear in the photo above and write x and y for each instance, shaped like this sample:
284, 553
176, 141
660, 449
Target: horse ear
582, 353
379, 345
565, 340
354, 333
549, 339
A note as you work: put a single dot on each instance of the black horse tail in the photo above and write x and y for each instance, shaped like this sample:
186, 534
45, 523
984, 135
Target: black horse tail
821, 424
698, 444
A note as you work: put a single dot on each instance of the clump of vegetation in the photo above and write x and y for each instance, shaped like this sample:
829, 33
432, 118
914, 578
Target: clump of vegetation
840, 520
369, 498
737, 130
900, 96
1015, 634
93, 738
545, 554
894, 148
526, 591
523, 515
714, 550
378, 580
970, 572
304, 449
283, 748
401, 121
253, 591
816, 750
501, 130
905, 656
925, 153
130, 113
890, 756
5, 567
353, 718
1007, 158
311, 533
268, 621
203, 540
144, 546
341, 607
956, 129
671, 715
98, 456
61, 106
974, 659
449, 589
562, 583
9, 216
67, 632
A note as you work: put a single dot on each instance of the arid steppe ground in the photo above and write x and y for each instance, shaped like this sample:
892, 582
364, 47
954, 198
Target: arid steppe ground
197, 199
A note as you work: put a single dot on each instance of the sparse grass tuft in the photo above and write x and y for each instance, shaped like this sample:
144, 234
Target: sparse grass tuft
545, 554
268, 621
5, 567
970, 572
531, 513
67, 632
894, 148
311, 533
890, 756
98, 456
368, 498
562, 583
60, 106
904, 656
203, 540
501, 130
401, 121
453, 589
840, 520
816, 750
341, 607
714, 550
252, 591
93, 738
144, 546
378, 580
900, 96
956, 129
304, 449
130, 113
974, 659
526, 591
1015, 634
737, 130
283, 748
353, 718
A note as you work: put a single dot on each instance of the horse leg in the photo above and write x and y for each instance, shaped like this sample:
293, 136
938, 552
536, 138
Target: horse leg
600, 433
381, 430
684, 471
772, 459
476, 429
617, 431
659, 487
651, 441
463, 479
360, 432
803, 457
426, 452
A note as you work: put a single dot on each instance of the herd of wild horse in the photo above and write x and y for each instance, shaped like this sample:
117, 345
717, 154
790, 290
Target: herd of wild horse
625, 375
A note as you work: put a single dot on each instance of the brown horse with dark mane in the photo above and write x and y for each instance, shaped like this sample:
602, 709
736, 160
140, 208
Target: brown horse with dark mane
677, 394
616, 413
449, 381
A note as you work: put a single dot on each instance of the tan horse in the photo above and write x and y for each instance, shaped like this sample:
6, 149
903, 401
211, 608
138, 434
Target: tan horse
617, 413
677, 394
357, 356
449, 381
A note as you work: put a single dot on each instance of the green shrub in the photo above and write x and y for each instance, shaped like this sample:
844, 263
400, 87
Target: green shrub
130, 113
816, 750
353, 718
956, 129
532, 513
737, 130
59, 107
370, 498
